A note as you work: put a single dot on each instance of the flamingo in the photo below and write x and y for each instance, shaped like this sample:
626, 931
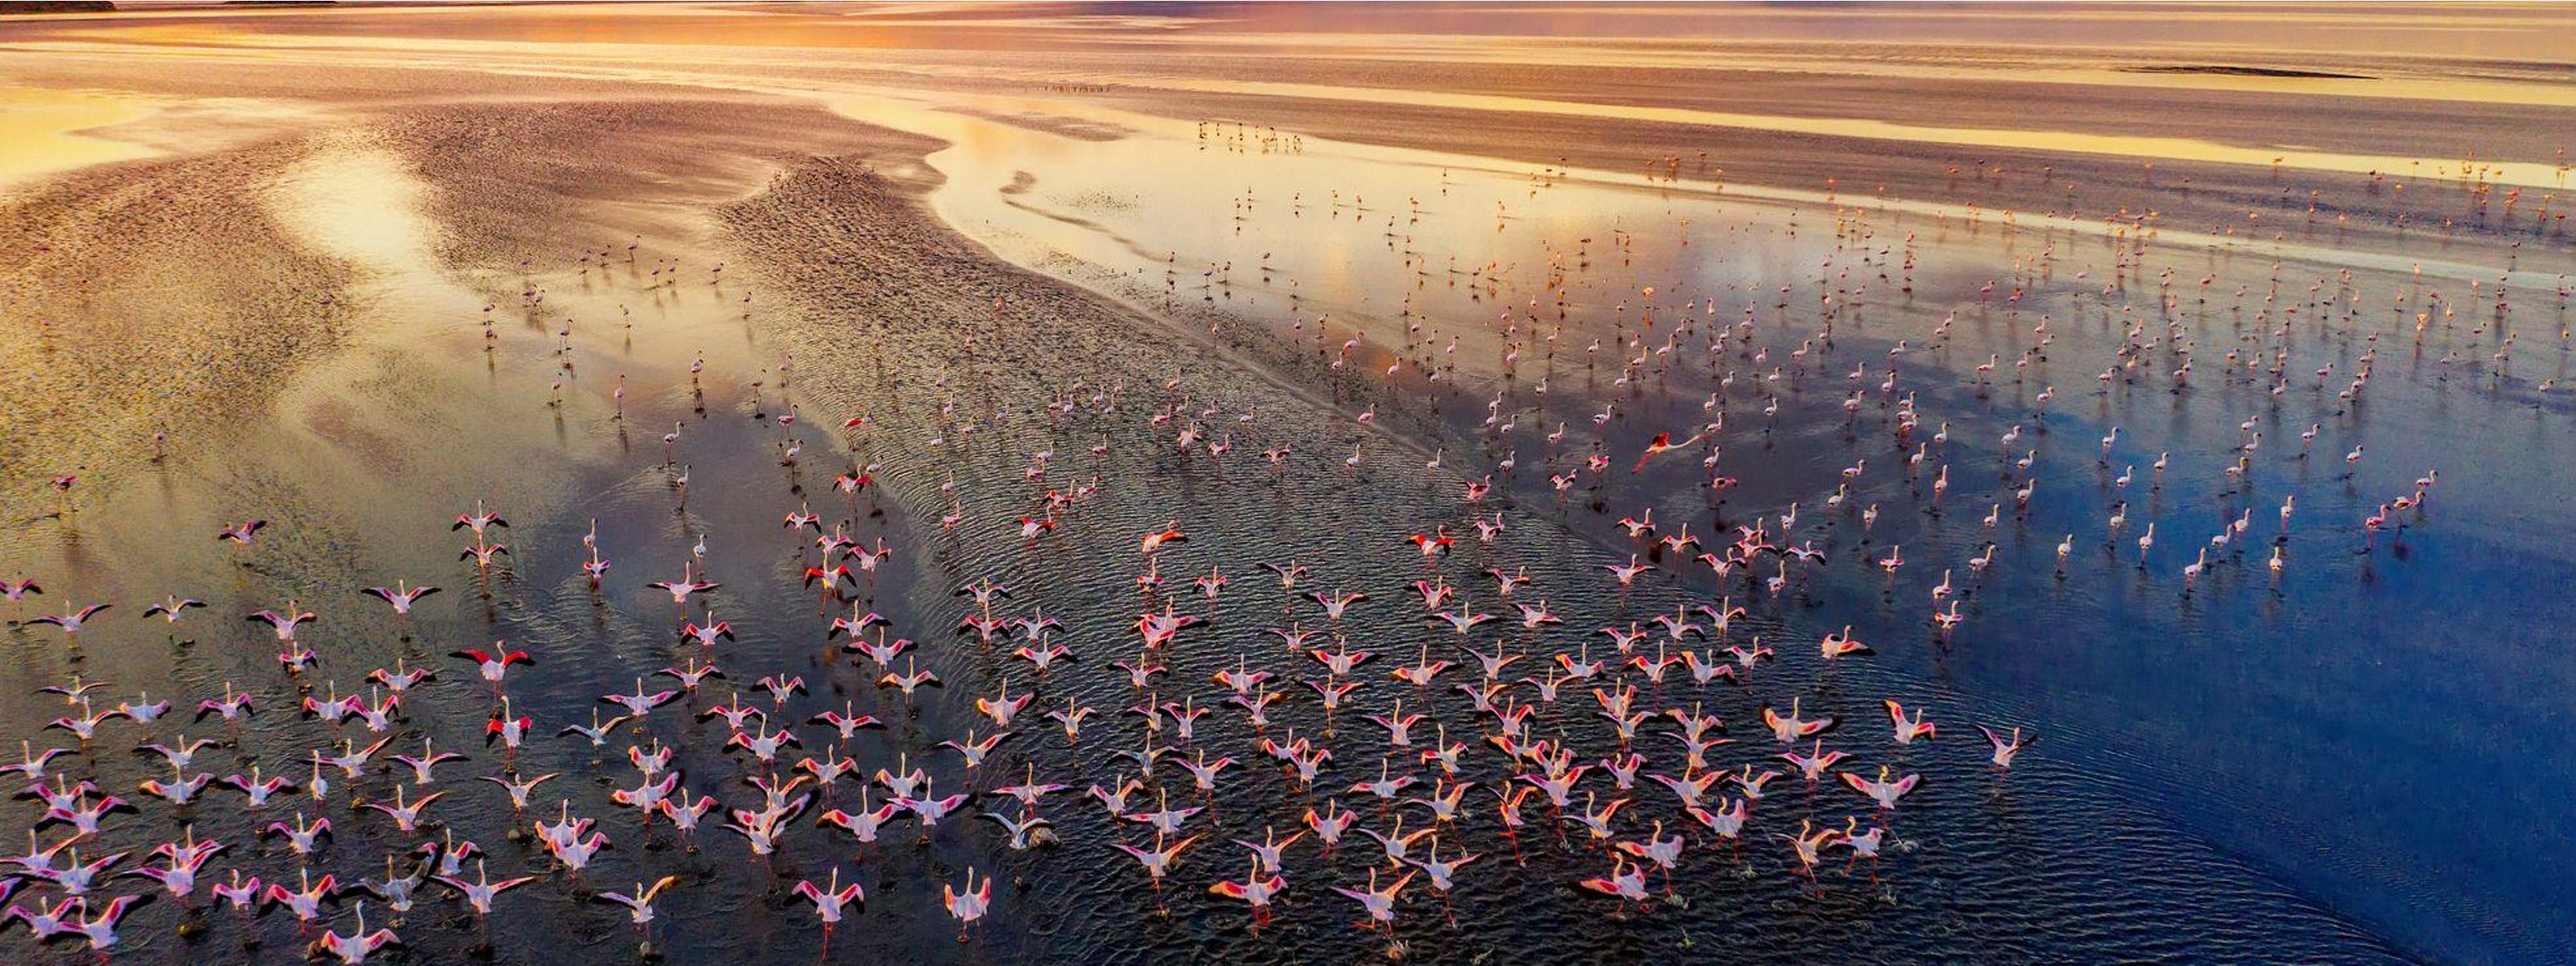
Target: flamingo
494, 665
1789, 728
639, 903
71, 621
829, 900
480, 892
1626, 882
400, 596
1256, 890
100, 927
172, 608
1908, 729
1159, 859
969, 904
687, 584
2006, 748
1882, 790
1378, 903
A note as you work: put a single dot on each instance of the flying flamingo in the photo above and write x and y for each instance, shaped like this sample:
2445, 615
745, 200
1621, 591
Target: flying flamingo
639, 904
968, 905
359, 944
1257, 889
2006, 748
1378, 903
829, 900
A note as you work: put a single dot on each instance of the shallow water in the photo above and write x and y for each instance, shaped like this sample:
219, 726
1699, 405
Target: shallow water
2273, 749
47, 132
2246, 659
